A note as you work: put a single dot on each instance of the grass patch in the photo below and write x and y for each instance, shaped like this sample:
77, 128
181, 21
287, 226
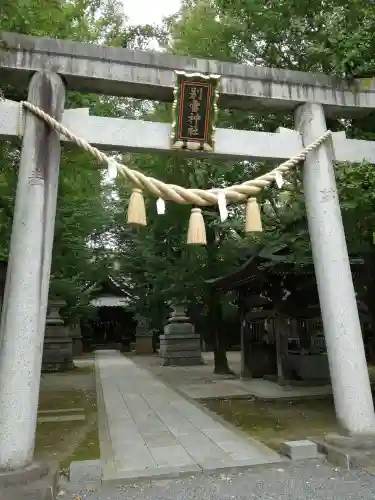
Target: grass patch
87, 449
273, 422
60, 400
67, 441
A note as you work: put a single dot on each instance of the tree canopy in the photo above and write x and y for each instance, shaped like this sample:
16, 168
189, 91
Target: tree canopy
84, 213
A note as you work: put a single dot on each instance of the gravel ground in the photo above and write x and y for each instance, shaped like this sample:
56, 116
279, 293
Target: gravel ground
309, 480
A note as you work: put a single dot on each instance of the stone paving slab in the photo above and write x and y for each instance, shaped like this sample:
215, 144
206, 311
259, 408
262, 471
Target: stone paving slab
64, 410
85, 471
61, 418
146, 429
199, 382
260, 388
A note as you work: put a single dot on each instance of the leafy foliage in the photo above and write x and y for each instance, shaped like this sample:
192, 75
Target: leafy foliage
84, 213
331, 37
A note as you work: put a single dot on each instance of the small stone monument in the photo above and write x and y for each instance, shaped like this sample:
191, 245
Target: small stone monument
57, 352
143, 335
180, 346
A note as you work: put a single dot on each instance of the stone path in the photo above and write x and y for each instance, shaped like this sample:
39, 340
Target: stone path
148, 430
199, 382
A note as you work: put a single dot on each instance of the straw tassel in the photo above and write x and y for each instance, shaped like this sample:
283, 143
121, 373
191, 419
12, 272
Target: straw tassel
253, 219
137, 208
197, 230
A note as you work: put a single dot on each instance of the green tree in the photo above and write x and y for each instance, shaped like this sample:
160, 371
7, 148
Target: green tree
331, 37
85, 214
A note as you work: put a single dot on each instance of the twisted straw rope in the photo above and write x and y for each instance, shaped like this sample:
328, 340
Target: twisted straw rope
200, 197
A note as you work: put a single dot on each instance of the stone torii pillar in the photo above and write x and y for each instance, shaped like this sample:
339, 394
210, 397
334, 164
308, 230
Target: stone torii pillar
342, 329
27, 282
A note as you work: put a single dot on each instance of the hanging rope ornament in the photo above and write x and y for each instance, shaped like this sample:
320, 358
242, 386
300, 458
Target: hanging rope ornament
112, 169
137, 208
253, 221
197, 230
160, 206
222, 204
238, 193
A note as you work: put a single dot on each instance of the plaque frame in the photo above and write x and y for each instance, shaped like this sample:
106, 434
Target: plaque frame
184, 134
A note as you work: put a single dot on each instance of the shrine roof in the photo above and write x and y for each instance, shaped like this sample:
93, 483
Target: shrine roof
253, 271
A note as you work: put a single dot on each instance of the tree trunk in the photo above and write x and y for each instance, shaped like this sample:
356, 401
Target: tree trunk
217, 335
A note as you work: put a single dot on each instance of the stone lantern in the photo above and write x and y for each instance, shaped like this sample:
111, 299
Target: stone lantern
57, 352
180, 345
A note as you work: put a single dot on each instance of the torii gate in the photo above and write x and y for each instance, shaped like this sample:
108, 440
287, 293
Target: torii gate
54, 65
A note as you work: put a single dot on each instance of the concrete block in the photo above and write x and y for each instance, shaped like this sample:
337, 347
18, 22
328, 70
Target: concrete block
300, 450
85, 471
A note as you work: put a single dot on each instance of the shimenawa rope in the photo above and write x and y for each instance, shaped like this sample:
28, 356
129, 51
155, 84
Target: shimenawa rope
171, 192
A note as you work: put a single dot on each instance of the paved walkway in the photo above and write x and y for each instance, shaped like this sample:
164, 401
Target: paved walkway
199, 382
148, 430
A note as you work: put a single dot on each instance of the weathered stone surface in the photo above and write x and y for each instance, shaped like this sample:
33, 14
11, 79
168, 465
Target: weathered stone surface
26, 291
362, 442
307, 480
61, 410
135, 135
300, 450
57, 350
147, 430
35, 482
191, 344
180, 346
184, 353
57, 353
311, 367
77, 341
143, 344
348, 452
342, 328
150, 75
182, 361
183, 329
85, 471
62, 418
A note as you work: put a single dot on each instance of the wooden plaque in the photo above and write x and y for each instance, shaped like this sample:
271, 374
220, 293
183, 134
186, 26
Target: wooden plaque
194, 111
